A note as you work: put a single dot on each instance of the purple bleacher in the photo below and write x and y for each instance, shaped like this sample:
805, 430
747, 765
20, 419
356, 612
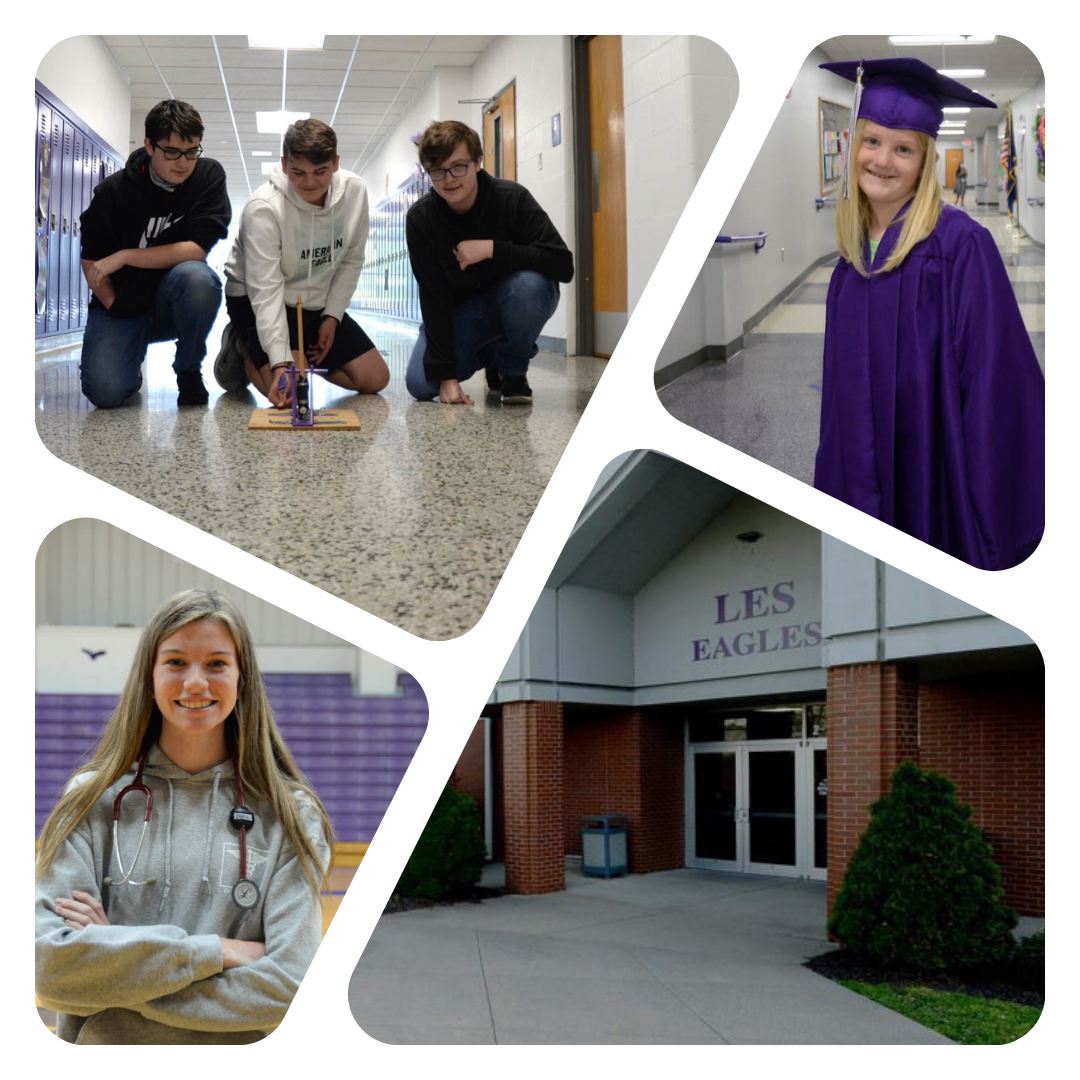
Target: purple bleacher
354, 750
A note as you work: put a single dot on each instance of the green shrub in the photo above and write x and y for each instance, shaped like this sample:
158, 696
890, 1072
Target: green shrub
1028, 962
922, 892
449, 856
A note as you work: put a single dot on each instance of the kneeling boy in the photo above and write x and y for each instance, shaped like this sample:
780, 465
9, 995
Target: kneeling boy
487, 261
301, 233
145, 238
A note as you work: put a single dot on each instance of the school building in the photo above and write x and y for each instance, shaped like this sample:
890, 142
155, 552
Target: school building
739, 687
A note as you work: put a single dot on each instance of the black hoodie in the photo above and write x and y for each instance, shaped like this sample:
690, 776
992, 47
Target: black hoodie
524, 237
129, 210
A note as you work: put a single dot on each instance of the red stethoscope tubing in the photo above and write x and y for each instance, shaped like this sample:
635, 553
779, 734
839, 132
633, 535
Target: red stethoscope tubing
243, 828
138, 785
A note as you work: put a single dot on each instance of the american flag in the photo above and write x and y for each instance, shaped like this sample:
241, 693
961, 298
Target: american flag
1008, 160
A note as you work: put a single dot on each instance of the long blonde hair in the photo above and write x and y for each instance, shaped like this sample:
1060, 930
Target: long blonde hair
853, 215
266, 765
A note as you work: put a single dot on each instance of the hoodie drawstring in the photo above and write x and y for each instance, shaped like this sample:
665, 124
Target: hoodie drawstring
210, 833
311, 243
168, 850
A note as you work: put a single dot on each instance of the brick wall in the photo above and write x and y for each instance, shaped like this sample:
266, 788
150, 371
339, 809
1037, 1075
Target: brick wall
986, 735
532, 775
468, 774
627, 763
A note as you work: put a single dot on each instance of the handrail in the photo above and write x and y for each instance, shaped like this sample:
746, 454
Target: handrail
757, 239
821, 200
1036, 199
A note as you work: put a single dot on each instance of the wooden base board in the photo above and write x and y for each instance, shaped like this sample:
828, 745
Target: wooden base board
325, 420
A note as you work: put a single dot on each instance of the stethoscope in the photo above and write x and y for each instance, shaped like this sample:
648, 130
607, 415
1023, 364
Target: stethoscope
245, 892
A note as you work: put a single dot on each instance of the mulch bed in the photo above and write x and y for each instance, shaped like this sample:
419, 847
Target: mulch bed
475, 895
839, 964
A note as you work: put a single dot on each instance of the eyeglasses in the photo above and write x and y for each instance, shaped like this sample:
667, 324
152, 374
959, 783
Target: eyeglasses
458, 171
173, 153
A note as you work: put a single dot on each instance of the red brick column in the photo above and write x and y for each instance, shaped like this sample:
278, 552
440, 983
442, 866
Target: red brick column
532, 757
873, 726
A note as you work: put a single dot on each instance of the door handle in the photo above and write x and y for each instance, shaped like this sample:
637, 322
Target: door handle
596, 181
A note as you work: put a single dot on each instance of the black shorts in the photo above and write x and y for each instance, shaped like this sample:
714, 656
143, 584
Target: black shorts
349, 341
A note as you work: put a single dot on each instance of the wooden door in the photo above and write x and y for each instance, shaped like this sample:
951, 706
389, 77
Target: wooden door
500, 152
952, 159
608, 154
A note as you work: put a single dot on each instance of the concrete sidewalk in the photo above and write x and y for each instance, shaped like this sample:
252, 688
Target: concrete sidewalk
685, 956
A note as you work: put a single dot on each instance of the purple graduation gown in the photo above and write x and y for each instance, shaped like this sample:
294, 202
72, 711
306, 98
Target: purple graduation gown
932, 398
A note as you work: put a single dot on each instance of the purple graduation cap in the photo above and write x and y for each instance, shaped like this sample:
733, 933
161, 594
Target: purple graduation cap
905, 93
902, 93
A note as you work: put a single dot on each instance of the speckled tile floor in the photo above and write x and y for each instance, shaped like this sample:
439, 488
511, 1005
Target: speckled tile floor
423, 507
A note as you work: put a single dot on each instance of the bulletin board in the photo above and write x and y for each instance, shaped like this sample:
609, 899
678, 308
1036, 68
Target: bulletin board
832, 142
1040, 141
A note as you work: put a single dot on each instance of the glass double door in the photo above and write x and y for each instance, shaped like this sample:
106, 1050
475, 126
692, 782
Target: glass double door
758, 808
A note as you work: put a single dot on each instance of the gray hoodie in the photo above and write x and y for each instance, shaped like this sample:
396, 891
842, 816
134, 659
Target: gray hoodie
155, 974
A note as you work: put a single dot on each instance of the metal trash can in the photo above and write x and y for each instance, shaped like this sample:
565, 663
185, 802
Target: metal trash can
604, 845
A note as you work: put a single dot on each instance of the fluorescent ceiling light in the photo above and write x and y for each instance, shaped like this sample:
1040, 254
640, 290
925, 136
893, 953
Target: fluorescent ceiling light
276, 123
951, 39
957, 109
268, 167
963, 73
285, 41
262, 153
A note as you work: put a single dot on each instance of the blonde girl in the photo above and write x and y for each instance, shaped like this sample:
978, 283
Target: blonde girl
178, 875
932, 397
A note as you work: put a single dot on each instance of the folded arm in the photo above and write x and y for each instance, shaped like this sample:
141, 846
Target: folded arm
162, 257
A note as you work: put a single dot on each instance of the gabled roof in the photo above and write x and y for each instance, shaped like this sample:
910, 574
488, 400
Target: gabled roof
639, 516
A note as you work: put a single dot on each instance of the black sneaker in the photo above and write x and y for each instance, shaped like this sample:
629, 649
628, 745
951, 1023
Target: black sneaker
494, 380
192, 391
229, 365
516, 390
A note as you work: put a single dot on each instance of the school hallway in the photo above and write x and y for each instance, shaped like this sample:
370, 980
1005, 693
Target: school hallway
766, 399
413, 518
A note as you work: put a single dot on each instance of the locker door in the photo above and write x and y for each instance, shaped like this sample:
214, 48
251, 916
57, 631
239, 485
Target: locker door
42, 147
382, 286
63, 320
396, 257
78, 150
56, 152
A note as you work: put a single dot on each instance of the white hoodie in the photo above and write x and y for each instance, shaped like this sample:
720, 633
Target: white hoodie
272, 259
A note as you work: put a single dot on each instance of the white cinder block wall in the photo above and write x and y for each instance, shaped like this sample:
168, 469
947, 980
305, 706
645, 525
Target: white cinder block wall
540, 68
678, 93
1029, 185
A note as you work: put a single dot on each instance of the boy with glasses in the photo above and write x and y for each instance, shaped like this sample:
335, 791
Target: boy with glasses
487, 261
145, 238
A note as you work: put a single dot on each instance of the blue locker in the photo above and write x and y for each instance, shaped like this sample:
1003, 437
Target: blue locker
42, 149
77, 161
387, 286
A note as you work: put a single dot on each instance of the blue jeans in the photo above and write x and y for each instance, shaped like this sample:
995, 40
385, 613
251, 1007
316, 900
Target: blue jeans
185, 307
495, 328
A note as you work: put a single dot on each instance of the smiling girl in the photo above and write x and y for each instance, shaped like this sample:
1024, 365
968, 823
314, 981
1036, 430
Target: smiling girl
932, 397
179, 873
